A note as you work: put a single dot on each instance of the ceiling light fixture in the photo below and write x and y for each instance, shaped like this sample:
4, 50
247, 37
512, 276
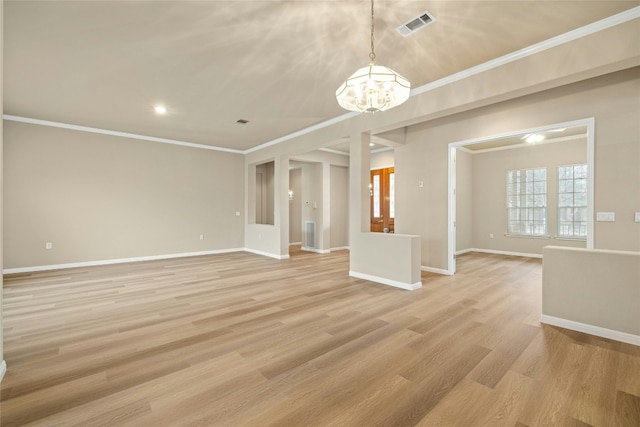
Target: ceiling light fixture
160, 109
374, 87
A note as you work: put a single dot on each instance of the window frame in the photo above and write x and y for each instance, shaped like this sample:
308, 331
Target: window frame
527, 222
584, 207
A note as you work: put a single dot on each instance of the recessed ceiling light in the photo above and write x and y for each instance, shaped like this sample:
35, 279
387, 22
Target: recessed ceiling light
160, 109
371, 144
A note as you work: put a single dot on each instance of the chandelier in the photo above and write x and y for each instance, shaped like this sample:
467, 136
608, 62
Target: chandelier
374, 87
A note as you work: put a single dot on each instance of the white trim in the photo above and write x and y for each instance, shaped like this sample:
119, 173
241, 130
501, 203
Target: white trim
436, 270
295, 243
116, 133
591, 329
331, 150
341, 248
116, 261
526, 145
452, 207
382, 280
267, 254
591, 173
3, 369
507, 253
304, 131
464, 251
382, 150
318, 251
589, 122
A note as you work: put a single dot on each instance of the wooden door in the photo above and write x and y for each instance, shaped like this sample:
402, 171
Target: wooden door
382, 192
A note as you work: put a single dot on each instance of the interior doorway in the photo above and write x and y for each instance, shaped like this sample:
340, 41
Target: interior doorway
382, 195
584, 127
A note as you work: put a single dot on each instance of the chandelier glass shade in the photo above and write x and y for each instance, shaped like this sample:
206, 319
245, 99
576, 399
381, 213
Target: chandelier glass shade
374, 87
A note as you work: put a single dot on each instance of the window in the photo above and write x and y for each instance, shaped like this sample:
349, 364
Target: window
527, 202
376, 196
382, 191
572, 201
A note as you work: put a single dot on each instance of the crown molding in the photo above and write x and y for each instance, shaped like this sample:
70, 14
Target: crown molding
116, 133
578, 33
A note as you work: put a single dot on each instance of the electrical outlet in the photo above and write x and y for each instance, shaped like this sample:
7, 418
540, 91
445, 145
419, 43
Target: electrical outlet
491, 235
48, 245
202, 237
237, 213
637, 216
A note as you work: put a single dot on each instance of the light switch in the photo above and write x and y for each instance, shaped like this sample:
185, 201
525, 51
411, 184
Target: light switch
637, 216
606, 216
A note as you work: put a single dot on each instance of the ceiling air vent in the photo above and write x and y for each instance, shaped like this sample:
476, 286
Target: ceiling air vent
416, 24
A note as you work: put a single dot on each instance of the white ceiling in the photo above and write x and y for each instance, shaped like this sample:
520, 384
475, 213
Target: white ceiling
275, 63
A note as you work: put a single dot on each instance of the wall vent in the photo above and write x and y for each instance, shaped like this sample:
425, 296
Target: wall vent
416, 24
310, 234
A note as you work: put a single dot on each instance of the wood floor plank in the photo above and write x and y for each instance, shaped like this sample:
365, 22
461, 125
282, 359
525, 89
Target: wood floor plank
242, 340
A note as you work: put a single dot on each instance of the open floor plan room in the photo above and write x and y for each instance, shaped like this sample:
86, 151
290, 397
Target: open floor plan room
243, 340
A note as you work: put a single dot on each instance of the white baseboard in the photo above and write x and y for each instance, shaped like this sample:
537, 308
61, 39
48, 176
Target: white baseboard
491, 251
267, 254
464, 251
591, 330
436, 270
295, 243
341, 248
318, 251
116, 261
382, 280
3, 369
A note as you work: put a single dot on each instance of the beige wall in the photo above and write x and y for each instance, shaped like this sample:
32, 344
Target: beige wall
99, 197
295, 206
339, 207
312, 203
489, 193
265, 196
382, 159
464, 201
392, 259
612, 99
598, 289
330, 211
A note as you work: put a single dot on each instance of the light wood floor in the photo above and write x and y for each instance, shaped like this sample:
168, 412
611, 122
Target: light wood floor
243, 340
